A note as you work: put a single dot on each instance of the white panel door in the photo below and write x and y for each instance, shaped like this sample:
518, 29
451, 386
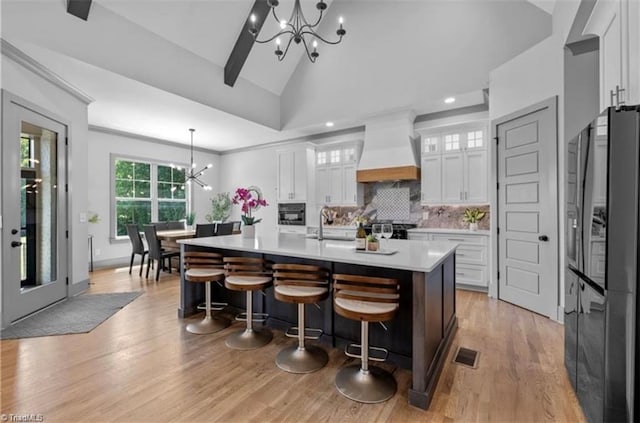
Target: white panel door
528, 210
475, 166
285, 176
431, 174
322, 185
452, 178
335, 185
349, 185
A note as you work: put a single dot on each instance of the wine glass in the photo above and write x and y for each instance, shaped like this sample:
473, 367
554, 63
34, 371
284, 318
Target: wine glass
387, 231
376, 230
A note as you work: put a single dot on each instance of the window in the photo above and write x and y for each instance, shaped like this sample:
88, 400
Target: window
349, 154
474, 139
452, 142
322, 157
334, 156
136, 202
430, 145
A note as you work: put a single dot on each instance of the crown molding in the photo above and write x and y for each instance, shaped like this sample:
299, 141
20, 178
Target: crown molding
27, 62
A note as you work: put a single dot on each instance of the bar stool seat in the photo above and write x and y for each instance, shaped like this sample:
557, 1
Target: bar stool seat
366, 299
301, 284
248, 274
205, 267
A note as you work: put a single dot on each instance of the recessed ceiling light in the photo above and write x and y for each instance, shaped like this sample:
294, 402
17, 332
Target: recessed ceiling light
329, 124
449, 100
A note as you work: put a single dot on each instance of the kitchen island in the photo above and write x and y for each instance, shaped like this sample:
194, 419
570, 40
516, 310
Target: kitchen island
418, 338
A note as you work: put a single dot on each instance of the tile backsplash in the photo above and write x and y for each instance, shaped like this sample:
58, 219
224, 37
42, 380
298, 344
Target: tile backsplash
400, 202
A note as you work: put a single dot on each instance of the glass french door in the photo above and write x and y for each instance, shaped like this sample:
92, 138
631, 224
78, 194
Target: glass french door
34, 244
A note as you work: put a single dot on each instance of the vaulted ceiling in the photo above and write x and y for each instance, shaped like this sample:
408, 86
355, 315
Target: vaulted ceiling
155, 67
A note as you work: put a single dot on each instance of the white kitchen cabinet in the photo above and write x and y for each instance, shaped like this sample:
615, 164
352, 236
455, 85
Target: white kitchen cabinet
431, 178
472, 254
454, 166
336, 183
616, 23
293, 168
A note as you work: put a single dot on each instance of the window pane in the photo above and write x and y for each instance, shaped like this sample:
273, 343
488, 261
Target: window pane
124, 169
142, 171
164, 174
178, 191
124, 188
179, 175
164, 190
143, 189
171, 210
128, 211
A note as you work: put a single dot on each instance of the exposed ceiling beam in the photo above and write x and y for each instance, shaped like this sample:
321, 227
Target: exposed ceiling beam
79, 8
245, 41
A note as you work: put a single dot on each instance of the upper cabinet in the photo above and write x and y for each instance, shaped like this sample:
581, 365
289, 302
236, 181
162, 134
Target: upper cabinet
616, 22
293, 168
454, 165
336, 183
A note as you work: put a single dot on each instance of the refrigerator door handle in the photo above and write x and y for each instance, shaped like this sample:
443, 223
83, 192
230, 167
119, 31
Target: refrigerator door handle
587, 280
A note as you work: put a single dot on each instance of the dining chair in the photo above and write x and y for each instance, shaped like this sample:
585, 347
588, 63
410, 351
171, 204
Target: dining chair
137, 247
206, 229
155, 252
175, 225
160, 226
224, 228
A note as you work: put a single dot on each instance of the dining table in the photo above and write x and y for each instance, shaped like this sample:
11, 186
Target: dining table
169, 237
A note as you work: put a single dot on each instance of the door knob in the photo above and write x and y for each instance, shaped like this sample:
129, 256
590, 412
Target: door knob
15, 244
543, 238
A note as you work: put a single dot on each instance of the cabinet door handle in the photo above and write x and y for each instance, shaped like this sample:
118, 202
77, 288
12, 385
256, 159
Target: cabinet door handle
354, 198
461, 195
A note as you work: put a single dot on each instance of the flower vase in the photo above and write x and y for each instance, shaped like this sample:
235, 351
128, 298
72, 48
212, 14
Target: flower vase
248, 231
473, 226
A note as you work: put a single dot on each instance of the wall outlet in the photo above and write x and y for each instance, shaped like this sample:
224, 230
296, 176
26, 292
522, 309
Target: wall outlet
425, 215
97, 252
83, 218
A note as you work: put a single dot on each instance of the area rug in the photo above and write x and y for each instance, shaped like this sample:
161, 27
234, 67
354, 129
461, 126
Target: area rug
79, 314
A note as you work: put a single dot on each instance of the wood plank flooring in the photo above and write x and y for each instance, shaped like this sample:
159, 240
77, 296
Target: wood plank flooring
142, 366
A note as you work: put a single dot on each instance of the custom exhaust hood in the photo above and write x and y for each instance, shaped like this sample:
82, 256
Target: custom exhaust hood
389, 150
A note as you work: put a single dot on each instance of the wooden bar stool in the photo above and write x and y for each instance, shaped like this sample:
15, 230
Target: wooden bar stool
301, 284
366, 299
206, 267
248, 274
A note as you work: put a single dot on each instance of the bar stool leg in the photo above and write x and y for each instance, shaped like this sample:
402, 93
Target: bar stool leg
250, 338
363, 383
301, 358
209, 324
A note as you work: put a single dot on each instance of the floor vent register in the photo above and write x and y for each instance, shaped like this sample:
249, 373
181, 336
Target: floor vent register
466, 357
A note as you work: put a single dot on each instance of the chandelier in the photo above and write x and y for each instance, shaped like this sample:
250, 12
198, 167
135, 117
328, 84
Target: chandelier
298, 30
192, 175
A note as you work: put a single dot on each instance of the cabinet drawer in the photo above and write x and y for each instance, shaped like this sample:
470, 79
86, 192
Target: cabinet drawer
471, 254
419, 236
471, 275
461, 238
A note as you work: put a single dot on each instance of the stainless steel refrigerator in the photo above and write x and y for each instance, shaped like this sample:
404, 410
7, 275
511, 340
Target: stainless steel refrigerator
601, 287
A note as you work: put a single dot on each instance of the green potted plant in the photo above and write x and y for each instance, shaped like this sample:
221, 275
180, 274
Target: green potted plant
220, 208
472, 217
372, 243
190, 218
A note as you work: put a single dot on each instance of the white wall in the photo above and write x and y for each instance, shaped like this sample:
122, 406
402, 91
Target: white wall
101, 146
35, 89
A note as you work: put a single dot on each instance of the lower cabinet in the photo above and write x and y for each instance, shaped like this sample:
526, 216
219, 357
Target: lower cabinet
472, 255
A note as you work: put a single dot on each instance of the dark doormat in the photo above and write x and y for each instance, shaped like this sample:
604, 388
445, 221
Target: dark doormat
79, 314
466, 357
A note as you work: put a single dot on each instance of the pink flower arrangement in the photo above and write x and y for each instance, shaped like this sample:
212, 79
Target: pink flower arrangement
250, 200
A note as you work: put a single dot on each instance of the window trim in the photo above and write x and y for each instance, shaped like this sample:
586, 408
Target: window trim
113, 238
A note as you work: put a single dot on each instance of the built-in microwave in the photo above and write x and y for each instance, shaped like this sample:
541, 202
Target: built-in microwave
291, 214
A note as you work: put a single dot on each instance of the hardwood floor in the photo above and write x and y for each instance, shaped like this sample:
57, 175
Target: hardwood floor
142, 366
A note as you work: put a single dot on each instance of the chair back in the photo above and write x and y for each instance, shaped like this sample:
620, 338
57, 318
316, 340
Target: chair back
137, 246
246, 266
207, 229
153, 242
160, 226
175, 225
300, 275
367, 289
236, 226
224, 228
195, 259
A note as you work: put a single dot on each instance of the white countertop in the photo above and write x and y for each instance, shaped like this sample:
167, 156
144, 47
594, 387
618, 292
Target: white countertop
448, 231
420, 256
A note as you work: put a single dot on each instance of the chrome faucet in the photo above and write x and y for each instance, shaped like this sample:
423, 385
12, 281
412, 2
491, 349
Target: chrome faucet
329, 221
